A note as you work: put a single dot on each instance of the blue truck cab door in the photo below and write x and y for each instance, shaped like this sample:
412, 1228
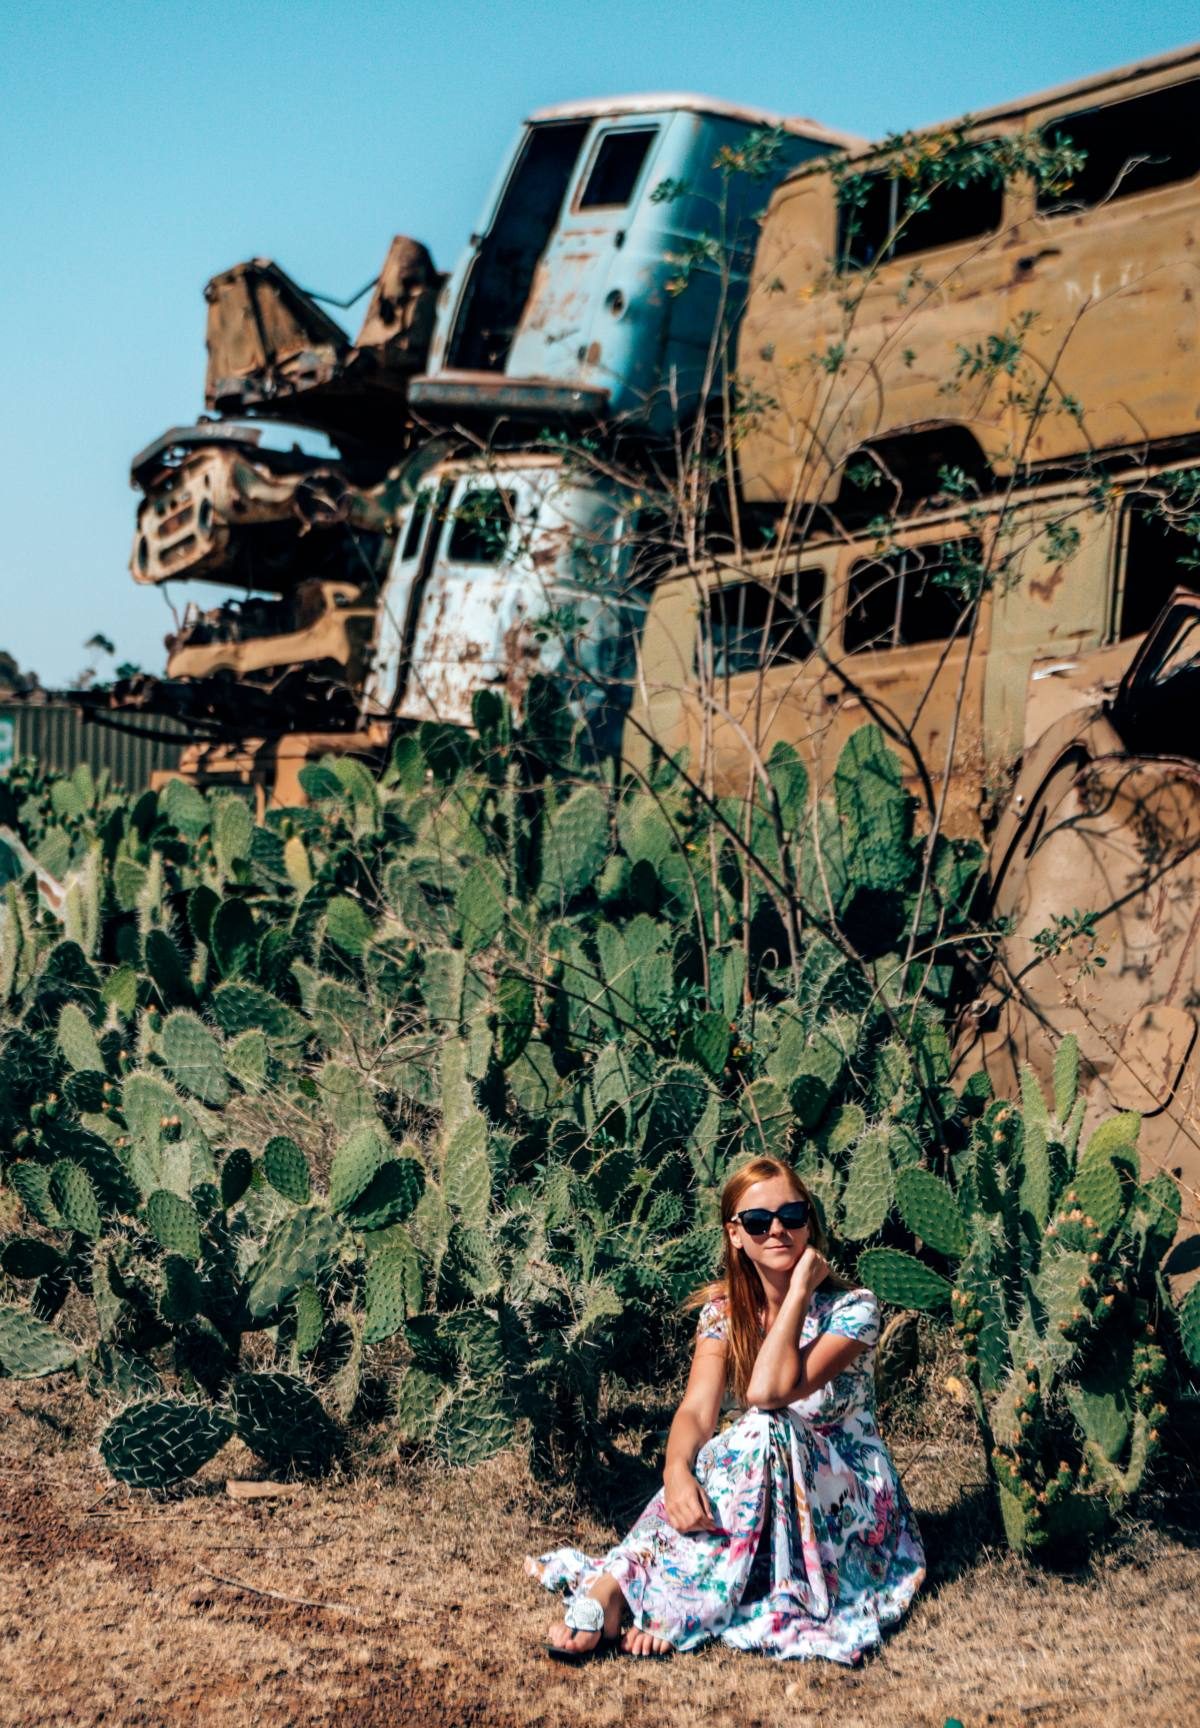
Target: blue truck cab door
611, 266
595, 308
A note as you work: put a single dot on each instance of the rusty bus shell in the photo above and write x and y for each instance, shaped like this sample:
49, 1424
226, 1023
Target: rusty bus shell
505, 568
804, 648
1101, 281
568, 300
219, 505
1095, 875
274, 352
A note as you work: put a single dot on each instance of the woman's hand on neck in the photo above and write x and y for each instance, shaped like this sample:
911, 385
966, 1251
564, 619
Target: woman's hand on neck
794, 1287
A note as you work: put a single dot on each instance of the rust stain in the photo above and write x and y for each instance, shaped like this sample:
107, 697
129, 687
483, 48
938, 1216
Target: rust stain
1045, 590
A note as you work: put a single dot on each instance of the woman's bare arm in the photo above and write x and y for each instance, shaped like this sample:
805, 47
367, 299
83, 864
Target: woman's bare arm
817, 1364
784, 1369
695, 1421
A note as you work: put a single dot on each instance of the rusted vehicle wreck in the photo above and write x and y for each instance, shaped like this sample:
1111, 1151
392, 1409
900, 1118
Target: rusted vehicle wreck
1095, 876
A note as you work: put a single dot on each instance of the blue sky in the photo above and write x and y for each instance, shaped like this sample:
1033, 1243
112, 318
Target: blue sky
147, 144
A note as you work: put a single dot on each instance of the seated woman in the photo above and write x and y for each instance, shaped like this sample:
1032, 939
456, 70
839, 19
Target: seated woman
788, 1532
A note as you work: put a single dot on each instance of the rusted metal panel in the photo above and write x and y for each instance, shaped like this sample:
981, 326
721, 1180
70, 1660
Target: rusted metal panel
267, 770
273, 351
1052, 597
230, 509
1107, 298
536, 588
1096, 877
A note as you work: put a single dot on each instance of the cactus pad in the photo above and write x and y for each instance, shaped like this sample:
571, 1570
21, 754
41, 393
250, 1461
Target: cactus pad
71, 1192
77, 1041
31, 1183
286, 1169
283, 1421
467, 1173
868, 1195
30, 1349
303, 1249
355, 1164
24, 1257
162, 1441
309, 1314
348, 926
930, 1211
236, 1173
390, 1197
393, 1289
194, 1058
175, 1223
902, 1280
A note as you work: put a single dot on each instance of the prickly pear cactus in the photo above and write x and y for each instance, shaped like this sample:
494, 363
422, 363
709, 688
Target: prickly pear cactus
162, 1441
1051, 1259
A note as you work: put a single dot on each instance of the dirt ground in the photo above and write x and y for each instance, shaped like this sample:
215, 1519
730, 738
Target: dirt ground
397, 1597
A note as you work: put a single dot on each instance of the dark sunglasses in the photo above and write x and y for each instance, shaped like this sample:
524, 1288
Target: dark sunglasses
757, 1220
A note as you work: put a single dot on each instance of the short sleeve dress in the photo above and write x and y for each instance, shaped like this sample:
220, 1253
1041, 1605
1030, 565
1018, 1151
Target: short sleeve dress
818, 1552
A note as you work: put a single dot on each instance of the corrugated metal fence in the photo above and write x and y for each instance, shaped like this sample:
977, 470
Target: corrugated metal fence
58, 737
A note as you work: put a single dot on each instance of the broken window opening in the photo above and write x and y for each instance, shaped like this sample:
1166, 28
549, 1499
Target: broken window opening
616, 168
916, 594
481, 527
1128, 147
416, 521
868, 217
1159, 557
747, 626
503, 271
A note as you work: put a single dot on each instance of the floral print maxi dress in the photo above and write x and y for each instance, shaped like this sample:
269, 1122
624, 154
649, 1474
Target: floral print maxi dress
818, 1552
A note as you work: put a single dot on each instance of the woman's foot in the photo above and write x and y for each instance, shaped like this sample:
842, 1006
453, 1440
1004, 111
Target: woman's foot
573, 1645
635, 1643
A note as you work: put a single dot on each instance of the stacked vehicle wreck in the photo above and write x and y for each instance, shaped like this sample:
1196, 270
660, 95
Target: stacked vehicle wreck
452, 414
509, 440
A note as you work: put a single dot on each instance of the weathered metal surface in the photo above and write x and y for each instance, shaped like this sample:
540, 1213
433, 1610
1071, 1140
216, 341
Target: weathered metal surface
273, 351
232, 510
567, 295
1096, 875
1105, 299
537, 590
318, 625
58, 736
1065, 610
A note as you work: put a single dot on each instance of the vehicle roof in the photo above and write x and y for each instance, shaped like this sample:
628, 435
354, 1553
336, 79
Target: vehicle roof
1107, 81
655, 102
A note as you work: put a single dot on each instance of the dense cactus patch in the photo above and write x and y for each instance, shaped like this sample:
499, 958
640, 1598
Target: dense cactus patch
410, 1108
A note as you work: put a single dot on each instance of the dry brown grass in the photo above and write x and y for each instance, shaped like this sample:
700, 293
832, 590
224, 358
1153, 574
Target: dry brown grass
109, 1613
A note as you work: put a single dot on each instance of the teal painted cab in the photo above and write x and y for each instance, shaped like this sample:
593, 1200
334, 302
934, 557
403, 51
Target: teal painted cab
612, 257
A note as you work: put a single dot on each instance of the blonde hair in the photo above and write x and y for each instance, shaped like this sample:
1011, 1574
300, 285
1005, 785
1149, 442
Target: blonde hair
739, 1283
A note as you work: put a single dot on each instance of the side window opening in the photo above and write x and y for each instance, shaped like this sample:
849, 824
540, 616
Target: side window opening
615, 168
502, 279
1128, 147
416, 521
869, 215
1159, 557
748, 625
908, 597
482, 526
